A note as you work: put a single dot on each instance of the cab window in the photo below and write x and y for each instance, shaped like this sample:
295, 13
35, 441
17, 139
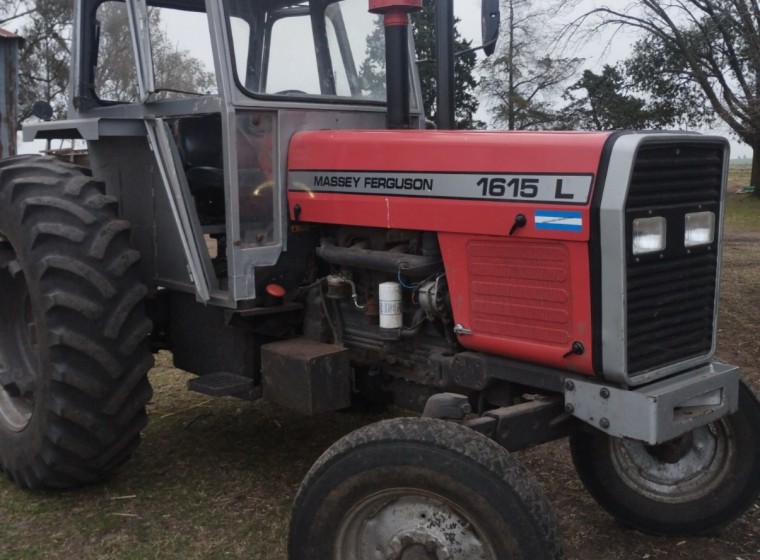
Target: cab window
181, 54
319, 48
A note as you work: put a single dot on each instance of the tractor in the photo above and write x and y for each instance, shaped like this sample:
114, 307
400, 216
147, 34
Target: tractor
294, 229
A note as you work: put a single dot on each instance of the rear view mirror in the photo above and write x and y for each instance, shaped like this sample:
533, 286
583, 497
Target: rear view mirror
42, 110
490, 19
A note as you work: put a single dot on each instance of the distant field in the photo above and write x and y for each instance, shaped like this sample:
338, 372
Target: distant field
739, 173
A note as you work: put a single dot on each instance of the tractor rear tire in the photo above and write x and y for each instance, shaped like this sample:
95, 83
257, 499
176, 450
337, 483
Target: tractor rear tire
693, 485
73, 351
420, 488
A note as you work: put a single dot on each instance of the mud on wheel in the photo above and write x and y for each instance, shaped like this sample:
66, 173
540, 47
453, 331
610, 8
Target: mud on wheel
73, 357
420, 489
695, 484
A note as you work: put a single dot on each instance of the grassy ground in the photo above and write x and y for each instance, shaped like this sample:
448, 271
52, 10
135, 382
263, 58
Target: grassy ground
215, 478
739, 173
742, 214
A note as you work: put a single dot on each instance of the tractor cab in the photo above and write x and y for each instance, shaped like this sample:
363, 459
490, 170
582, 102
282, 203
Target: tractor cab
210, 94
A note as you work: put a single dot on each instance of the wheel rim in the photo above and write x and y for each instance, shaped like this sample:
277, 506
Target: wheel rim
18, 335
681, 471
409, 524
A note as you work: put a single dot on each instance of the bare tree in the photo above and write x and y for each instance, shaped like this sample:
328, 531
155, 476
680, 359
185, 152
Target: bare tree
13, 10
521, 78
710, 45
44, 60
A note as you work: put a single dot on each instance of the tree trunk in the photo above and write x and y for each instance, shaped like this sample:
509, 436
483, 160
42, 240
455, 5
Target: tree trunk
755, 175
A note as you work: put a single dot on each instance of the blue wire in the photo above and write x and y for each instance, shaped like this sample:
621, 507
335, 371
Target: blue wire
404, 284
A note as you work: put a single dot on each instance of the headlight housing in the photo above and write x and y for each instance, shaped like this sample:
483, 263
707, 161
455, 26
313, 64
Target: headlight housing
700, 229
649, 235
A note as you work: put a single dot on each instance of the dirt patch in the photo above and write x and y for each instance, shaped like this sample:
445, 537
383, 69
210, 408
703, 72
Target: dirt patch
746, 239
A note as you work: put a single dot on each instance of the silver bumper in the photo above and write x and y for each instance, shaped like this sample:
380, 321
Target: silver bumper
658, 412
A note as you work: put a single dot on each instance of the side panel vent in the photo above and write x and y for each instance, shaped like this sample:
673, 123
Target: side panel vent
520, 290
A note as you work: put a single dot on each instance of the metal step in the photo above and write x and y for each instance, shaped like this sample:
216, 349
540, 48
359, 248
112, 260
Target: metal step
224, 384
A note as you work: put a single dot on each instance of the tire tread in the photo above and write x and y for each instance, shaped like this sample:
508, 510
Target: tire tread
76, 257
460, 440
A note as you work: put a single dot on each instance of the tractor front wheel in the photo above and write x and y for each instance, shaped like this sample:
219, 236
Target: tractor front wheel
73, 356
693, 485
424, 489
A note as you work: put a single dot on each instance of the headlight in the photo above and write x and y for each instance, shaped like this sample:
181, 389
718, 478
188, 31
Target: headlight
700, 229
648, 235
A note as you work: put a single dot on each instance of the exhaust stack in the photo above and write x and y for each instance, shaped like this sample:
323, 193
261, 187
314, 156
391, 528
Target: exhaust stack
396, 20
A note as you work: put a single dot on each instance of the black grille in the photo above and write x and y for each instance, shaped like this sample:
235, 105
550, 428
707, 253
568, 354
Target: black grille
671, 295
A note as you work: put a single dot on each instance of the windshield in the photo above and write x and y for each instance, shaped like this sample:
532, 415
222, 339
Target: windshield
318, 48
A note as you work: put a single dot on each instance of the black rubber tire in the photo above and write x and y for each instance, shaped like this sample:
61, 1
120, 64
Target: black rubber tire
734, 488
478, 477
87, 357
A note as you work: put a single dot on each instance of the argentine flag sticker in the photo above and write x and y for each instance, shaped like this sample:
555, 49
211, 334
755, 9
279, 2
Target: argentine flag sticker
558, 220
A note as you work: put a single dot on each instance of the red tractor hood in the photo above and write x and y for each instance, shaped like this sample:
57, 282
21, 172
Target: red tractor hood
446, 181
